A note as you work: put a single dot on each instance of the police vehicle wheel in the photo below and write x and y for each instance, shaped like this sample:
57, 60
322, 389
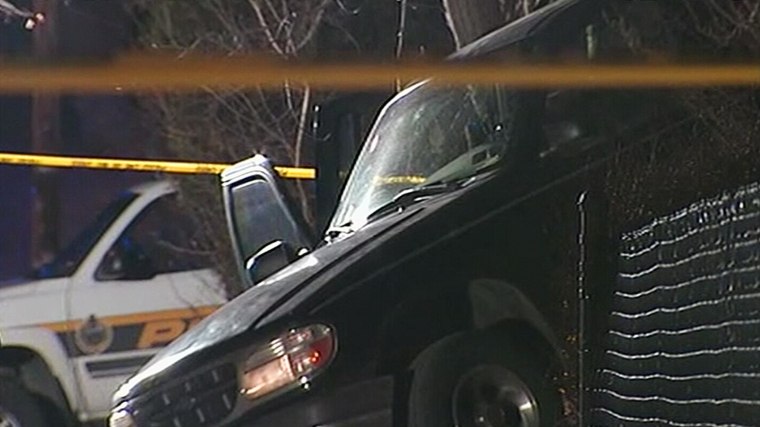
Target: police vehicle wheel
18, 408
482, 379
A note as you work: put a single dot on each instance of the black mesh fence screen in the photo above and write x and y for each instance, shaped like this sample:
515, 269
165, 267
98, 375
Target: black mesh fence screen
684, 341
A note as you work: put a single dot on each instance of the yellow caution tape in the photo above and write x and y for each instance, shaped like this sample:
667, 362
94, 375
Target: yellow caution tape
399, 179
296, 173
145, 73
138, 165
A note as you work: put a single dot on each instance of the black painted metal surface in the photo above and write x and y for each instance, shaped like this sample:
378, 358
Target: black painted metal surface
684, 339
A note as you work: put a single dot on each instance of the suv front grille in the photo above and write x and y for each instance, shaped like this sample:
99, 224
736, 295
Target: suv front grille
199, 400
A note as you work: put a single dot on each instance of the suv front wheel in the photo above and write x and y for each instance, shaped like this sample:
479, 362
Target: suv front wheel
482, 379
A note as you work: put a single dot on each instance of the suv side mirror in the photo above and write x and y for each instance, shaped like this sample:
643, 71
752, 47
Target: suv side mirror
264, 224
269, 259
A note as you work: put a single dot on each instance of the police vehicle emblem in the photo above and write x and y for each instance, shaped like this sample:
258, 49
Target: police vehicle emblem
93, 336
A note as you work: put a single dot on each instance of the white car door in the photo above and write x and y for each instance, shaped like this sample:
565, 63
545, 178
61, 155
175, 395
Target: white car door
146, 286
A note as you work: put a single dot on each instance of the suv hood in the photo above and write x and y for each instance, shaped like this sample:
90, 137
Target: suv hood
255, 305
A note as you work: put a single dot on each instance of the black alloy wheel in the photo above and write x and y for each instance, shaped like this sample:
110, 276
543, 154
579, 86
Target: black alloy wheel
493, 396
486, 378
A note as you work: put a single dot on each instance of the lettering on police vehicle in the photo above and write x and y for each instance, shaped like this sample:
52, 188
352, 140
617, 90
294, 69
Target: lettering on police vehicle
140, 331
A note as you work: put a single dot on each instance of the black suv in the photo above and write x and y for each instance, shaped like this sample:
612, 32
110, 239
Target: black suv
452, 285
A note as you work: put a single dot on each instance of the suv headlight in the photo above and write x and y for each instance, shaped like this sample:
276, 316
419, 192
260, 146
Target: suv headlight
293, 359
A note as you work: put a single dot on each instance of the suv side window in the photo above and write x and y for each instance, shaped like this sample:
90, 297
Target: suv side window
162, 239
576, 120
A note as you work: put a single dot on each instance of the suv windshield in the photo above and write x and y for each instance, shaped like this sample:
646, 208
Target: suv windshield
428, 134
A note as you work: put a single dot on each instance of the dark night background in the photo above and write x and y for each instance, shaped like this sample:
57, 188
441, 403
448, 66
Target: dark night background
112, 126
90, 126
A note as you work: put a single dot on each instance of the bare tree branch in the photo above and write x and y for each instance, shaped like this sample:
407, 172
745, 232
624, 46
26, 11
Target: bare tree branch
12, 11
265, 26
467, 23
305, 105
403, 4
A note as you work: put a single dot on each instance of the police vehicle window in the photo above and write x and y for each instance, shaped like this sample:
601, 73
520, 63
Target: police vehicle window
162, 239
260, 218
68, 260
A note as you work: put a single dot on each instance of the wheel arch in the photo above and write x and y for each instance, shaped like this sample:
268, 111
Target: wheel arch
498, 303
488, 303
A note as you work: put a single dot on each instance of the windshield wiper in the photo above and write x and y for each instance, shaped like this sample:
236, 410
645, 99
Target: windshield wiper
401, 201
335, 231
408, 197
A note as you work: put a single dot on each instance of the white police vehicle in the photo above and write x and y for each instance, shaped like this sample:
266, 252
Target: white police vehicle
128, 285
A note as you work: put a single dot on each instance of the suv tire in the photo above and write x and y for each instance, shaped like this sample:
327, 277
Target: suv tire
482, 379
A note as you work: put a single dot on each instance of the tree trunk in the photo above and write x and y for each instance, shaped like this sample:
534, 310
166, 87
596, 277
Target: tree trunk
470, 19
45, 138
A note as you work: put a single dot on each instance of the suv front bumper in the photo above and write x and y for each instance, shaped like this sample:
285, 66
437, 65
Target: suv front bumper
364, 404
